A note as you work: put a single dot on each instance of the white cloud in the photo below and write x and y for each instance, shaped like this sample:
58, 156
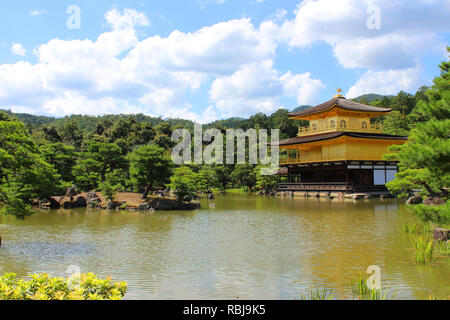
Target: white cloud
406, 30
218, 49
37, 12
386, 82
18, 49
391, 55
258, 87
117, 72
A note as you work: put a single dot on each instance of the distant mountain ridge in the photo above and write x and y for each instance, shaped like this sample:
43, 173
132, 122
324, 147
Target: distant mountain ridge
86, 122
370, 97
301, 108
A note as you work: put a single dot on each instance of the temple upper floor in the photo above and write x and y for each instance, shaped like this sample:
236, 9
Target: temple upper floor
340, 114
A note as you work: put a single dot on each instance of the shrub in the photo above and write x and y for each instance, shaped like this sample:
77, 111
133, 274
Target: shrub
318, 294
423, 247
436, 214
42, 287
361, 290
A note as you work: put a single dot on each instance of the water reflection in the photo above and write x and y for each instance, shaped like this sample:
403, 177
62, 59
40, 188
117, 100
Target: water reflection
245, 246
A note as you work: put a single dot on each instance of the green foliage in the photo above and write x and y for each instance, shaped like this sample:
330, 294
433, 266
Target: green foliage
184, 182
112, 184
410, 228
95, 161
24, 173
245, 175
71, 134
62, 157
149, 167
407, 180
425, 158
361, 290
87, 174
370, 97
42, 287
51, 134
439, 215
318, 294
396, 123
206, 179
423, 247
223, 175
265, 182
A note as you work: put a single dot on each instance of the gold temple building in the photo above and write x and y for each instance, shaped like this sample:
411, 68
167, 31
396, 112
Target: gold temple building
340, 151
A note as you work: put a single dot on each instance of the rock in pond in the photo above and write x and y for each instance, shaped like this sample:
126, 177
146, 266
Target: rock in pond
172, 204
441, 234
414, 200
433, 201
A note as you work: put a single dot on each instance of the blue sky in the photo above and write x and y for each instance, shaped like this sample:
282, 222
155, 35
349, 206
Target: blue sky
210, 59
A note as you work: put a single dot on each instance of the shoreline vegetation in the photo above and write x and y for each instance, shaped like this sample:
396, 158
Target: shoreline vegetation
43, 287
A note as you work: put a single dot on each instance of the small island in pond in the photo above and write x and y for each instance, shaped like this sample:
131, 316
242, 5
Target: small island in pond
122, 201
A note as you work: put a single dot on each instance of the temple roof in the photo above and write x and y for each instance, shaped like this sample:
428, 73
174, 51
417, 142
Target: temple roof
341, 103
337, 134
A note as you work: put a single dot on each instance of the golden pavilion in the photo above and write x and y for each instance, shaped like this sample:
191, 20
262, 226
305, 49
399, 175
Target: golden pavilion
341, 150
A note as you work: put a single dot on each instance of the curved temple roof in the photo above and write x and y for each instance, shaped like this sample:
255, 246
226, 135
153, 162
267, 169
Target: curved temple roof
333, 135
341, 103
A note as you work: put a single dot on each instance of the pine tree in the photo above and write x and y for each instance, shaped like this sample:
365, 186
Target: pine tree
424, 161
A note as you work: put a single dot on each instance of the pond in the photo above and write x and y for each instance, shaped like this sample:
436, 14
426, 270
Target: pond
246, 247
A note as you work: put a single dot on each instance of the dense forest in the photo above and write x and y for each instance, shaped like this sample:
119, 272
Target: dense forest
41, 156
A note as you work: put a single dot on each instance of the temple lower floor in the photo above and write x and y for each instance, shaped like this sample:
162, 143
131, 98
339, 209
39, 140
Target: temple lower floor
341, 176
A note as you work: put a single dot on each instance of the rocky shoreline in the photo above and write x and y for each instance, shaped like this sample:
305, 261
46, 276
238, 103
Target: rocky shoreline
123, 201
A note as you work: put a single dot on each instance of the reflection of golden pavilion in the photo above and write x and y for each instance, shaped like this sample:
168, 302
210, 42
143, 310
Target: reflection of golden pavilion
341, 150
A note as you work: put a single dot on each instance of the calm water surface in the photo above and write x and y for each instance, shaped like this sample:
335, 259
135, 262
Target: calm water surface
248, 247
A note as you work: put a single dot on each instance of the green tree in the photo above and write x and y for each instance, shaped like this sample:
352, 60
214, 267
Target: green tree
87, 174
396, 123
62, 157
265, 182
71, 134
424, 161
184, 182
223, 175
24, 174
107, 155
206, 179
149, 167
245, 176
164, 128
404, 103
112, 184
163, 141
51, 134
288, 127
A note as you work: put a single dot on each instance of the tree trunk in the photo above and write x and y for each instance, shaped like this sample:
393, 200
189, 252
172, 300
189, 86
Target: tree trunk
146, 192
430, 191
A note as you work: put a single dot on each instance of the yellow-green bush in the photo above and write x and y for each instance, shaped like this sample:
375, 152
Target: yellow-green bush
43, 287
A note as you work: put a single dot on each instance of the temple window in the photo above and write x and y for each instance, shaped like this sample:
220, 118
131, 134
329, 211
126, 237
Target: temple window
364, 125
314, 127
343, 124
333, 124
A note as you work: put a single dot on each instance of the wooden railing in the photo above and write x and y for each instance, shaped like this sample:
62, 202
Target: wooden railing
349, 127
316, 186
